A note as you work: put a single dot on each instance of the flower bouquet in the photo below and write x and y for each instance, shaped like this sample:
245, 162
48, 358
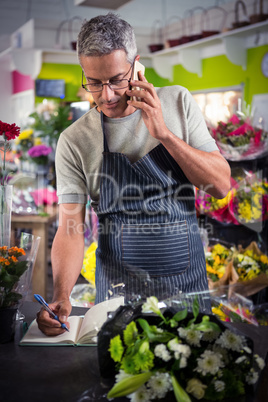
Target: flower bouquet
250, 199
16, 268
238, 139
39, 154
245, 269
246, 202
158, 352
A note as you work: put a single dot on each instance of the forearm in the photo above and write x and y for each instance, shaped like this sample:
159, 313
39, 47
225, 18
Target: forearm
208, 171
67, 260
68, 250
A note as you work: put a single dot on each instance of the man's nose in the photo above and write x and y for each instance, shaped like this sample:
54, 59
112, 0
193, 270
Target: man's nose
107, 92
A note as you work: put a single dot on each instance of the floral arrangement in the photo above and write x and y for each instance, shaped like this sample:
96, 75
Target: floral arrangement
39, 154
7, 132
216, 260
11, 269
191, 354
245, 269
246, 202
23, 143
238, 139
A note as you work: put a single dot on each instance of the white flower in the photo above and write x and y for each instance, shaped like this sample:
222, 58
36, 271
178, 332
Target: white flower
259, 360
210, 336
183, 362
179, 348
162, 352
240, 359
252, 377
151, 305
159, 384
209, 363
191, 335
247, 349
196, 388
229, 340
141, 395
121, 375
219, 385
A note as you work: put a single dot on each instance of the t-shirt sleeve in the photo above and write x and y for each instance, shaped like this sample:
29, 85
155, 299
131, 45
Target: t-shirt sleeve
71, 181
199, 135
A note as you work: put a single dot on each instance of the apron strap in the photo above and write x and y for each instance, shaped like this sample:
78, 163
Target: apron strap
105, 144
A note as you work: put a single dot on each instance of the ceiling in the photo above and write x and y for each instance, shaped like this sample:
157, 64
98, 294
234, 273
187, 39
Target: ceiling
139, 13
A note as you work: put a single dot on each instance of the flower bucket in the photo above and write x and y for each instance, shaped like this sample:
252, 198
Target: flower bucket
7, 324
6, 192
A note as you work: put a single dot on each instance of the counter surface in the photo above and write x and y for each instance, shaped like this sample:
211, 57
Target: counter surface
71, 374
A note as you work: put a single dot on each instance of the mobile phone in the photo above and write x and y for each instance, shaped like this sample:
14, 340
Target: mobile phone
137, 67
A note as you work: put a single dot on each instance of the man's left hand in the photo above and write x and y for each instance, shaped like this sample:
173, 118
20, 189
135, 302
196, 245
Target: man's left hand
150, 106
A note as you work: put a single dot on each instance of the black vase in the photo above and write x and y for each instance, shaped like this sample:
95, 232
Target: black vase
7, 324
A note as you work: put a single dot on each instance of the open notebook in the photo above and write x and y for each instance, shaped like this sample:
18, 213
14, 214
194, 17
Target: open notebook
83, 330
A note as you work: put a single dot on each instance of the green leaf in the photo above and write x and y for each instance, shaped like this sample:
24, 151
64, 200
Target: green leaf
180, 394
195, 307
152, 335
129, 385
180, 315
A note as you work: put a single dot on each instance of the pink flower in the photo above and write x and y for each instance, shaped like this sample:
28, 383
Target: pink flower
43, 196
234, 119
243, 129
39, 150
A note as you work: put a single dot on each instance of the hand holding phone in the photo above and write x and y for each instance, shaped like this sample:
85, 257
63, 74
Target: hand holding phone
137, 67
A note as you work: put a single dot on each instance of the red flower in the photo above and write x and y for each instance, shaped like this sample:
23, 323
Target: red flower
9, 131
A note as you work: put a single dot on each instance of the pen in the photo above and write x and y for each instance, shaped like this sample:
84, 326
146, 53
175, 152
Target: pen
48, 309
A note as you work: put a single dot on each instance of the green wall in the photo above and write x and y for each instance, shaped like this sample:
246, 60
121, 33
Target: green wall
71, 73
218, 72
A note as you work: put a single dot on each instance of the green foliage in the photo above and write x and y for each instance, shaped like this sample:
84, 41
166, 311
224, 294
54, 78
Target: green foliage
53, 126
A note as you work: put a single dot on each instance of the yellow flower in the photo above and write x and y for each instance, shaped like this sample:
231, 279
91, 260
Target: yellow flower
264, 259
24, 135
244, 210
219, 313
38, 141
89, 264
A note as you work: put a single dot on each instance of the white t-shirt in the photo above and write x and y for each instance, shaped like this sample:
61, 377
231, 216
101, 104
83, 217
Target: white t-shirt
80, 146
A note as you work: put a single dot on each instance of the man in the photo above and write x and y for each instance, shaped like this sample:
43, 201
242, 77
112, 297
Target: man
139, 160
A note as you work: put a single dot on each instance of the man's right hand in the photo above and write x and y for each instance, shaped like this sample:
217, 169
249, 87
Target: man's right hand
48, 325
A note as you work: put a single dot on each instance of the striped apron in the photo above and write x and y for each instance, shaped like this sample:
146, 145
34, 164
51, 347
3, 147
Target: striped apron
149, 242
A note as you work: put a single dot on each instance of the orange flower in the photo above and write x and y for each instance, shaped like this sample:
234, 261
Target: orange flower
16, 251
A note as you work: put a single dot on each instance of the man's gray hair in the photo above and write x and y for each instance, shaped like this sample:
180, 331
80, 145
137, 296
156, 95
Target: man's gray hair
103, 34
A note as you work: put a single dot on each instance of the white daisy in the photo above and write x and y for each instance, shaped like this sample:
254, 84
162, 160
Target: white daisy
141, 395
259, 360
229, 340
240, 359
159, 384
219, 386
162, 352
252, 377
210, 336
209, 363
183, 362
191, 335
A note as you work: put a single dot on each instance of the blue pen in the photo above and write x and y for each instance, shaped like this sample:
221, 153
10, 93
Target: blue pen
48, 309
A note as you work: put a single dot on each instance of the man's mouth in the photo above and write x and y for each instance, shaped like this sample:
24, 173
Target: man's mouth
110, 105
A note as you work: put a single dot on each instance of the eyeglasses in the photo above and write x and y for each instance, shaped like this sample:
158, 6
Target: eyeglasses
114, 84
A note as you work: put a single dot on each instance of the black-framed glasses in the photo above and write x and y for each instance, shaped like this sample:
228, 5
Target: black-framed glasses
114, 84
